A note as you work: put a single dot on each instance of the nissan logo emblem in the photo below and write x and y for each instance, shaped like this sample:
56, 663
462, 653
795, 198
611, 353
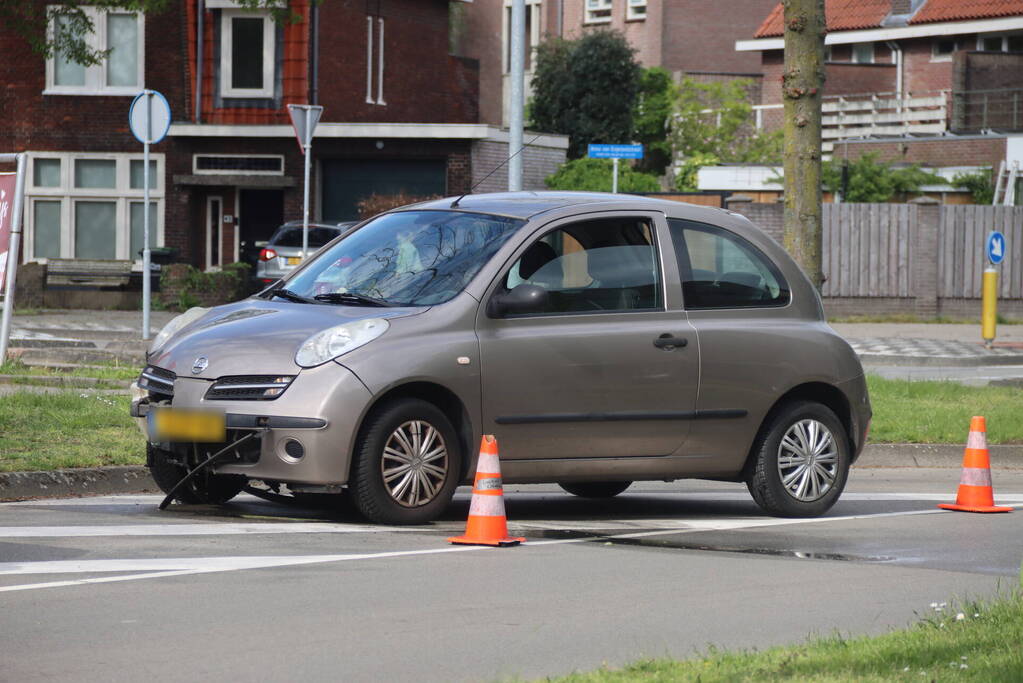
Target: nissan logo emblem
200, 364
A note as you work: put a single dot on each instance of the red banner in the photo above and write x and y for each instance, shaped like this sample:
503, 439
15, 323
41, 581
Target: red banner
7, 185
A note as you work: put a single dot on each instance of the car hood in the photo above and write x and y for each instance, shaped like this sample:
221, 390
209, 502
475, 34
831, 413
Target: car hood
256, 337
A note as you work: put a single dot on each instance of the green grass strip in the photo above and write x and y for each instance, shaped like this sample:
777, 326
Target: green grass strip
67, 429
111, 371
984, 644
940, 412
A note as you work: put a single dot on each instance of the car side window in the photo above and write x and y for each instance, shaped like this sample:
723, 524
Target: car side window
594, 266
722, 270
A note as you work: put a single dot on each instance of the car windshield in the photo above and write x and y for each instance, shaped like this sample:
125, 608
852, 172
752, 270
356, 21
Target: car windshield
292, 237
414, 258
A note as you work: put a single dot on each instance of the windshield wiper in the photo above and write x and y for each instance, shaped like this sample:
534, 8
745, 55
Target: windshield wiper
351, 298
291, 296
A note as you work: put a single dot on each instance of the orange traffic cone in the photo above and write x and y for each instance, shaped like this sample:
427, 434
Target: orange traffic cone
975, 492
487, 523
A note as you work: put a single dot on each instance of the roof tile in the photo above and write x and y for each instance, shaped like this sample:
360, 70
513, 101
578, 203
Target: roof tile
842, 15
958, 10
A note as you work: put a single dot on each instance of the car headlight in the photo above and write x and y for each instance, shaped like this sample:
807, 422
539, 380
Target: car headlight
176, 325
330, 343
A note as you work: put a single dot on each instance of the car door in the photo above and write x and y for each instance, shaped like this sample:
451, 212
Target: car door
609, 368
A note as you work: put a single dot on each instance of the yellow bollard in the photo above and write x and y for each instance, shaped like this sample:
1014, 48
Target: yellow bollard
989, 305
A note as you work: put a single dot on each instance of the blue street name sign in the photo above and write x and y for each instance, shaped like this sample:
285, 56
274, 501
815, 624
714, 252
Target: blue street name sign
995, 247
615, 151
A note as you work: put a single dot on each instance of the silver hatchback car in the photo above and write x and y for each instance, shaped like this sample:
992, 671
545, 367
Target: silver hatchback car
602, 338
283, 252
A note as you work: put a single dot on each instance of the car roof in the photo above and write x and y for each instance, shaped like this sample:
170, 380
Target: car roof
526, 205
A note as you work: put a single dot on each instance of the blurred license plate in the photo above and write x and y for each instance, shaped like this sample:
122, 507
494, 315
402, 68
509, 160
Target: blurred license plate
176, 424
294, 260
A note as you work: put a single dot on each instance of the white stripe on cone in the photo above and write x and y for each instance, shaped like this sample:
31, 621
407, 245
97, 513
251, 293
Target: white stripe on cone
976, 476
488, 463
486, 506
976, 440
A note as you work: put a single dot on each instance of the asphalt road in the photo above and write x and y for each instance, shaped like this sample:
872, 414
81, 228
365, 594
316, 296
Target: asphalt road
110, 589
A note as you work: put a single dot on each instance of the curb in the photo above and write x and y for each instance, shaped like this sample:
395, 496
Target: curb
87, 481
874, 359
883, 455
96, 481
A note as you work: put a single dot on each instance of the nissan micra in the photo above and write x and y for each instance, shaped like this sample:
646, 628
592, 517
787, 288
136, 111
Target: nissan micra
603, 339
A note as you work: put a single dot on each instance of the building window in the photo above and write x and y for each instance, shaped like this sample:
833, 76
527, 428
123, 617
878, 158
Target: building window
375, 25
91, 205
532, 33
121, 36
1000, 43
598, 11
827, 53
635, 10
942, 48
863, 53
247, 48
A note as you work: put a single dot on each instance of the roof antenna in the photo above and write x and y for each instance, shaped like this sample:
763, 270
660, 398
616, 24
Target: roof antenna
454, 204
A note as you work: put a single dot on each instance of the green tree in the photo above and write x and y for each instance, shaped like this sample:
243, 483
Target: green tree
651, 118
585, 89
874, 181
717, 119
72, 25
594, 175
713, 123
978, 183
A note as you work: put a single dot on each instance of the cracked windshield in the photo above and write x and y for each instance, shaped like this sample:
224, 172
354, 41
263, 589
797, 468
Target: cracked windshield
413, 258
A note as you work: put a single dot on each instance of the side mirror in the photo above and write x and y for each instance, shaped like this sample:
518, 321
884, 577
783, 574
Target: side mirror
525, 298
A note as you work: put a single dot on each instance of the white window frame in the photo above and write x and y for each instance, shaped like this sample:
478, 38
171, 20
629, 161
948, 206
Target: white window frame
945, 56
635, 10
533, 13
852, 54
216, 171
67, 194
269, 54
598, 11
96, 75
1004, 37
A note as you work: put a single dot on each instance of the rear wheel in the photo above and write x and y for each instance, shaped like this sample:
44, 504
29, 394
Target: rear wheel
800, 461
407, 463
204, 487
596, 489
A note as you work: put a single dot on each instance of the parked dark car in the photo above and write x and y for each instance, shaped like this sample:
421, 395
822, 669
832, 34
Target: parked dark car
283, 252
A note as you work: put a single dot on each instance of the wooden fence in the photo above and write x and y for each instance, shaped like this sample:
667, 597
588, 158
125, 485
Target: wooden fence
868, 249
963, 232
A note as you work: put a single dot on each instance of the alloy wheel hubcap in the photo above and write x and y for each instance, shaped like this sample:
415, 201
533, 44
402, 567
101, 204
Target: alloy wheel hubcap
415, 463
807, 460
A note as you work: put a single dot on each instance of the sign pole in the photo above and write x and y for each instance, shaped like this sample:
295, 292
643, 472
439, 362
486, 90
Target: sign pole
614, 176
147, 276
13, 249
995, 251
306, 147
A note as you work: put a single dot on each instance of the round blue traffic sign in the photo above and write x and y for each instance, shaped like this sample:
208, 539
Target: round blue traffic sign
149, 117
995, 247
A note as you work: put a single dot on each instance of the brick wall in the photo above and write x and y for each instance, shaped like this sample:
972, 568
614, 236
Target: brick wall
857, 79
987, 91
697, 37
537, 164
967, 151
924, 74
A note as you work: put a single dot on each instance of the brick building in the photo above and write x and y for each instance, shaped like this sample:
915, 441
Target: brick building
910, 68
682, 36
401, 114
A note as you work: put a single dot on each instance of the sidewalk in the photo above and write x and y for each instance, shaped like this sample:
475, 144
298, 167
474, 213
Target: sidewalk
896, 350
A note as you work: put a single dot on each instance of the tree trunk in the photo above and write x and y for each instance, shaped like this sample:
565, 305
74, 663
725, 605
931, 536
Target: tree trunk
802, 83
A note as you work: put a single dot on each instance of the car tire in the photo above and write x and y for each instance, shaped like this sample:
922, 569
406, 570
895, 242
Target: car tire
407, 463
596, 489
204, 488
800, 461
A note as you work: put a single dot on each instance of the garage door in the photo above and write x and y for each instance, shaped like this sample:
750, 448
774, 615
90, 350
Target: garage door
346, 181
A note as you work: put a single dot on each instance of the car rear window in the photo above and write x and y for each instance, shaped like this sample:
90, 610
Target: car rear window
292, 237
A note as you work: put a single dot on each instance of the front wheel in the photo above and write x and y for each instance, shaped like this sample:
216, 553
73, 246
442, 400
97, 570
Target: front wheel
596, 489
204, 487
407, 463
800, 461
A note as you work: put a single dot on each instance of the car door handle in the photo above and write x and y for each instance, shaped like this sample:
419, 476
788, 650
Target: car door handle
666, 341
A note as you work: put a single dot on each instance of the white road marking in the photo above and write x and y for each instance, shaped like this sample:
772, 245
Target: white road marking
205, 529
189, 566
